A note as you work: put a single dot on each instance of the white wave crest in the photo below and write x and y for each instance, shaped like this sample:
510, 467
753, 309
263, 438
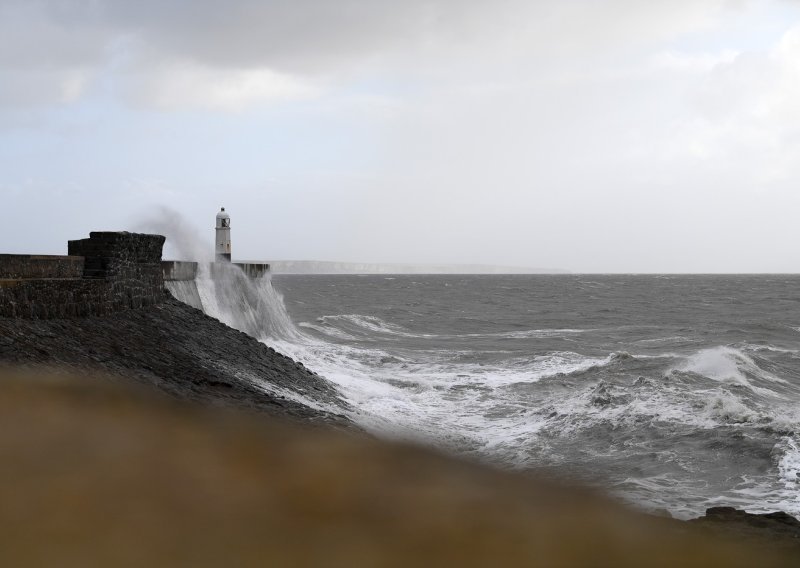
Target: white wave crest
369, 323
729, 365
328, 330
375, 324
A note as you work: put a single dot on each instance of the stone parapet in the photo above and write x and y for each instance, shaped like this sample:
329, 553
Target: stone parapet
118, 255
27, 266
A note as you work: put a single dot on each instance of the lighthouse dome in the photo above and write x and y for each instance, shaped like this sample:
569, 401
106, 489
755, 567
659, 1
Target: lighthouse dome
223, 219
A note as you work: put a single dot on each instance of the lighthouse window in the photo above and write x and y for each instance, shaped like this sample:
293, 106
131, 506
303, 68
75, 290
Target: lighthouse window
226, 222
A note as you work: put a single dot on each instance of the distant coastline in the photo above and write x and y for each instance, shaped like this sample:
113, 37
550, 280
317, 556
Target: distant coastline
332, 267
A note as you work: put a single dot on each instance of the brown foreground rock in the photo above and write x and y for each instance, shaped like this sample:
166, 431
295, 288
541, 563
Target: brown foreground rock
98, 474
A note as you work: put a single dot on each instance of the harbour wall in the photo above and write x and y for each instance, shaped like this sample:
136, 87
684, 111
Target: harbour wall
180, 277
180, 271
104, 274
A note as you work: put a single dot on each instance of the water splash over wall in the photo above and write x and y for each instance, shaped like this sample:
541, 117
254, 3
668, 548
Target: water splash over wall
252, 306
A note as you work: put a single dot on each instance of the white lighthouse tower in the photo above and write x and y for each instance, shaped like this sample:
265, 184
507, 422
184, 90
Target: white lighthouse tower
223, 249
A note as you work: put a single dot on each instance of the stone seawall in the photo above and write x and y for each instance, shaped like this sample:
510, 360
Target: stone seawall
49, 298
104, 274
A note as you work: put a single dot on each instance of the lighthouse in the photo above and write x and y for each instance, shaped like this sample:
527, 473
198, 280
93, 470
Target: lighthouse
223, 249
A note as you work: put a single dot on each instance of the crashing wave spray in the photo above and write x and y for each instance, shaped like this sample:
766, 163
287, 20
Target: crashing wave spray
249, 305
441, 401
183, 239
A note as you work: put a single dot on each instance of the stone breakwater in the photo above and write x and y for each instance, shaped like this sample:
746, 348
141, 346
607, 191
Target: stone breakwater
179, 350
107, 273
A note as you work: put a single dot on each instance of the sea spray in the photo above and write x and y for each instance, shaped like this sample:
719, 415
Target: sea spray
183, 238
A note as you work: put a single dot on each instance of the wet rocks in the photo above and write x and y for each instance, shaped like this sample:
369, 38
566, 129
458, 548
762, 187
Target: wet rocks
774, 529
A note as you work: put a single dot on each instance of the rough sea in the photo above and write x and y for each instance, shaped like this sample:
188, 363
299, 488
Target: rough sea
673, 393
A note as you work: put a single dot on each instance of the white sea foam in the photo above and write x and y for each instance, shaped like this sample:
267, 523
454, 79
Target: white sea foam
727, 408
670, 339
524, 334
789, 463
719, 364
370, 323
760, 495
282, 392
374, 324
769, 349
329, 331
440, 395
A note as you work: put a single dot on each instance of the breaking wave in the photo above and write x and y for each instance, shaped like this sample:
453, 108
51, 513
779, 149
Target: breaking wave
353, 325
586, 411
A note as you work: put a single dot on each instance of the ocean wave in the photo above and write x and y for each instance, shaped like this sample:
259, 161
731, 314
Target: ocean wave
526, 406
440, 392
727, 408
670, 339
728, 365
371, 324
556, 364
328, 330
448, 371
760, 348
655, 494
377, 325
523, 334
662, 404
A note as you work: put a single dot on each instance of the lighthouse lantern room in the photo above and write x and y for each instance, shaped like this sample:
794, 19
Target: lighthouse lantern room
223, 248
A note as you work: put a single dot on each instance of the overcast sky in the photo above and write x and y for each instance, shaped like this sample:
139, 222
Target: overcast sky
588, 135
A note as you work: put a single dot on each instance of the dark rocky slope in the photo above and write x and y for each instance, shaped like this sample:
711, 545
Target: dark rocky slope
178, 349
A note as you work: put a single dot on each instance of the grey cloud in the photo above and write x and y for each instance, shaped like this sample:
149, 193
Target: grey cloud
50, 44
32, 35
318, 36
297, 34
563, 133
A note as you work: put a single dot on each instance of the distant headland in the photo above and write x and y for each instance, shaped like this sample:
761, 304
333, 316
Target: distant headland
329, 267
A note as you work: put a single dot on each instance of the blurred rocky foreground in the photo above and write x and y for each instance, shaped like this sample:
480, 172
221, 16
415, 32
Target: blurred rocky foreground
98, 472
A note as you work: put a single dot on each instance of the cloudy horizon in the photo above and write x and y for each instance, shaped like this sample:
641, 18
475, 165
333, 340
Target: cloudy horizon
611, 136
